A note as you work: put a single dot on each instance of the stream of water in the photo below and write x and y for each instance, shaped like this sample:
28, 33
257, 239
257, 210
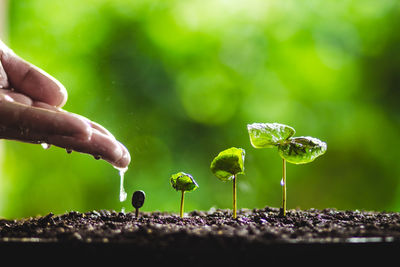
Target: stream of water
122, 193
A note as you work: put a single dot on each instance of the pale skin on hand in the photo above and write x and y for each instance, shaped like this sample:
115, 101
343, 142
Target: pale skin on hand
31, 111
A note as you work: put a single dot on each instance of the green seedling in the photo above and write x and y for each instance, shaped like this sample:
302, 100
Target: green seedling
138, 198
227, 165
296, 150
183, 182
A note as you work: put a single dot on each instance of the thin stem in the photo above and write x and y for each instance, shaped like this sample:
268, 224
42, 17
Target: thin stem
284, 186
182, 203
234, 196
137, 213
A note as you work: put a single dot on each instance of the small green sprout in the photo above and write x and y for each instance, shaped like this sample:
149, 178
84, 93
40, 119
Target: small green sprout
296, 150
183, 182
227, 165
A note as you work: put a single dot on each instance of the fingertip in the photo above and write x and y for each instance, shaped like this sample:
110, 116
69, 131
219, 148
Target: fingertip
124, 161
62, 95
52, 91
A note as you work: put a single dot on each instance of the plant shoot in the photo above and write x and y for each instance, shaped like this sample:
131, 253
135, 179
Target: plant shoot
183, 182
296, 150
138, 198
227, 165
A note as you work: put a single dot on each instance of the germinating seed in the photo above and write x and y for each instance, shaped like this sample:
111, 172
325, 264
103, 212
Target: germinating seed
138, 198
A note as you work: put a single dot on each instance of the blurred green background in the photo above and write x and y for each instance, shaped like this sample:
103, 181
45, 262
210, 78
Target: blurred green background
178, 81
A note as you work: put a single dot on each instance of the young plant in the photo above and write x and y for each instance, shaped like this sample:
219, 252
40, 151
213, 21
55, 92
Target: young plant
296, 150
138, 198
183, 182
227, 165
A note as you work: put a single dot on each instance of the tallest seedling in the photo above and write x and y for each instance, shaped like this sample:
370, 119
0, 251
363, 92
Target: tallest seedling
296, 150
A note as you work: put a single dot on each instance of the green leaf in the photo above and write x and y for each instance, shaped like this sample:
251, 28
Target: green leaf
183, 181
300, 150
265, 135
228, 163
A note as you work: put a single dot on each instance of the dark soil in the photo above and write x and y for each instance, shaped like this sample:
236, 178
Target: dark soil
255, 233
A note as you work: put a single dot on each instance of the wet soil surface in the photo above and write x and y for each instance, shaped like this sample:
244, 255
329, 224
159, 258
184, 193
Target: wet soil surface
212, 232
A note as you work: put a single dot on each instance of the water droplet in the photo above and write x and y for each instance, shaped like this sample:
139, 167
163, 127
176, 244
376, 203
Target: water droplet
45, 145
282, 182
122, 193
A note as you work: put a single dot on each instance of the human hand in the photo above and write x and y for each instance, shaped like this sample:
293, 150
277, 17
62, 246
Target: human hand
30, 111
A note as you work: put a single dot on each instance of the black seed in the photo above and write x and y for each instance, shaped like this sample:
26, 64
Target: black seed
138, 198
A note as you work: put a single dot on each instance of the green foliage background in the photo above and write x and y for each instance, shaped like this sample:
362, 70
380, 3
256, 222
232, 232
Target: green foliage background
178, 81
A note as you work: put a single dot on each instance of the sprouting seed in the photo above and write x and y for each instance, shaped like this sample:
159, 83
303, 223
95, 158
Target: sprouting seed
138, 198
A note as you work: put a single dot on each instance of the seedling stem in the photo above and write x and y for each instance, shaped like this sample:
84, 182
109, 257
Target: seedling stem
182, 202
137, 212
234, 196
284, 186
